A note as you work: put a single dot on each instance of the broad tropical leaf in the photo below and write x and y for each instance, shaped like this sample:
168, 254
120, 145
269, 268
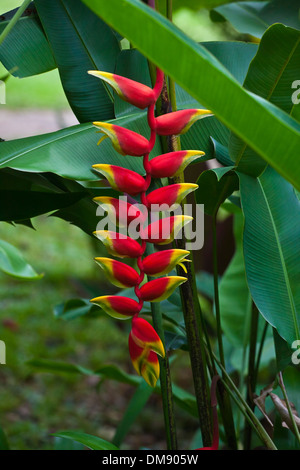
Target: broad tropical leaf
269, 131
215, 186
25, 51
270, 75
235, 298
272, 250
80, 42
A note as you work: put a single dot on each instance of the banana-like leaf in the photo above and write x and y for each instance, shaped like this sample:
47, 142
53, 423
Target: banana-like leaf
255, 17
25, 51
235, 298
271, 75
235, 56
71, 152
80, 42
268, 130
215, 186
272, 250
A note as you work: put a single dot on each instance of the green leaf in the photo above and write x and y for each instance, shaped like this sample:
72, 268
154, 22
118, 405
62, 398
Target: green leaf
74, 308
26, 51
57, 367
272, 250
215, 186
13, 263
255, 17
3, 440
272, 134
61, 443
80, 42
184, 399
235, 298
135, 407
92, 442
270, 76
71, 152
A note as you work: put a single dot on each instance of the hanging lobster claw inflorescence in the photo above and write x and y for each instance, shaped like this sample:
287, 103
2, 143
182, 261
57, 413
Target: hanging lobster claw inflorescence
144, 342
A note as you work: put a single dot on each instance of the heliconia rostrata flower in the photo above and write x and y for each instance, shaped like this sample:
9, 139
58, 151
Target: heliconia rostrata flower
144, 343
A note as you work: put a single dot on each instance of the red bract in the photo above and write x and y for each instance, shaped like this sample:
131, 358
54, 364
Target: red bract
171, 164
179, 122
133, 92
119, 245
121, 179
145, 336
144, 361
124, 141
119, 274
144, 343
169, 195
120, 212
117, 306
164, 231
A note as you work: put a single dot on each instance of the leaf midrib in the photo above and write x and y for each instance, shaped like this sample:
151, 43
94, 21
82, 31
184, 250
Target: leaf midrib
44, 144
108, 92
283, 263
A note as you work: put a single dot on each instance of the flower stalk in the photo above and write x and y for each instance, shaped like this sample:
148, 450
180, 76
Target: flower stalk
146, 346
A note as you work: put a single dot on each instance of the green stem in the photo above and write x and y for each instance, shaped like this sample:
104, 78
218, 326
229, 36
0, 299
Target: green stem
253, 421
281, 384
224, 399
216, 290
189, 297
259, 354
14, 20
165, 375
251, 385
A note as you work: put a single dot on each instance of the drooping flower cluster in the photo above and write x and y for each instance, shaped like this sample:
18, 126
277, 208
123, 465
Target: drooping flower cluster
144, 342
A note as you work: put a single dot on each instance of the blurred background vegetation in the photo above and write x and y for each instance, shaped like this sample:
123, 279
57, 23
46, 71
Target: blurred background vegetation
32, 406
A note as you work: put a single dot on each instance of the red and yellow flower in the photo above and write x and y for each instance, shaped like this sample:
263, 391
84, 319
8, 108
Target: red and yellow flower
124, 141
179, 122
120, 212
162, 262
119, 245
144, 343
161, 288
170, 195
118, 307
119, 274
164, 231
172, 164
121, 179
133, 92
